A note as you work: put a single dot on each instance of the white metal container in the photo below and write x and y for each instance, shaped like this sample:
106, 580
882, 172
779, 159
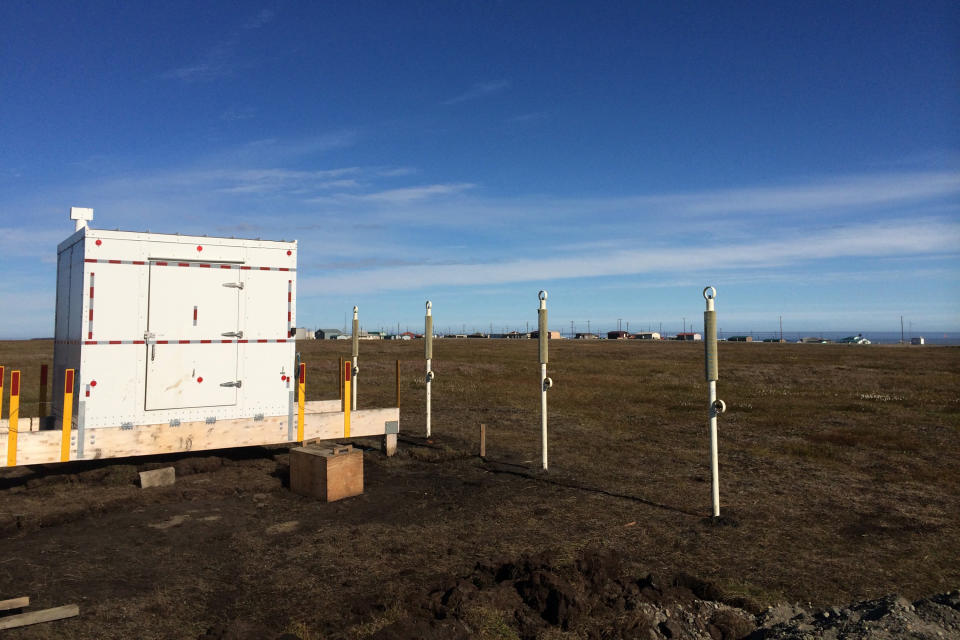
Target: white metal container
169, 328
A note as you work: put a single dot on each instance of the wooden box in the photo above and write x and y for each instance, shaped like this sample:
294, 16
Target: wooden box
328, 473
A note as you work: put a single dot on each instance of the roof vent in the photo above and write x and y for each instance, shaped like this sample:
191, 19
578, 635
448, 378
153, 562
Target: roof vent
82, 216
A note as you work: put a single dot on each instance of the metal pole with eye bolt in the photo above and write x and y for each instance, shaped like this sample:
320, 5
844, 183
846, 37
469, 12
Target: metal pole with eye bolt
712, 374
356, 352
545, 382
428, 354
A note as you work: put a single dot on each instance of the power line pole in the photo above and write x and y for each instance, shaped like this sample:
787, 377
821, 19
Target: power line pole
571, 329
781, 328
684, 325
901, 329
588, 326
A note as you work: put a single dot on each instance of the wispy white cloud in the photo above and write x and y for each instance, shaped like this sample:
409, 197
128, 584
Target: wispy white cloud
219, 60
882, 240
404, 195
478, 90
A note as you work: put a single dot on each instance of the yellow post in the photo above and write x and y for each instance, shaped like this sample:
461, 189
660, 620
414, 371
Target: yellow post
301, 393
347, 370
67, 424
14, 416
339, 375
1, 391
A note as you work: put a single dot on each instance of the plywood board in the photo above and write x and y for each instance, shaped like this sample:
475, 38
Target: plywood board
40, 447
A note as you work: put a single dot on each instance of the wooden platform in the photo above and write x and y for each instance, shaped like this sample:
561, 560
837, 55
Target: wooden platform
322, 420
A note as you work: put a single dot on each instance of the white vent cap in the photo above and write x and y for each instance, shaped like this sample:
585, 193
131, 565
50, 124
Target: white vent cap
82, 215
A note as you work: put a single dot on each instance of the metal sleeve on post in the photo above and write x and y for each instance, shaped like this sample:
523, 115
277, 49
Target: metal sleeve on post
710, 345
428, 337
542, 332
356, 334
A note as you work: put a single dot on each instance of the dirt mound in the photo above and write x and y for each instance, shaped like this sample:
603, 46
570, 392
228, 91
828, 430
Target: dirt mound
594, 596
886, 618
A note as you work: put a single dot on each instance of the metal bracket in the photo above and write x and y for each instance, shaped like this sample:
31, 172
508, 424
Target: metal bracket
233, 285
258, 417
211, 420
391, 426
126, 426
232, 334
175, 422
237, 384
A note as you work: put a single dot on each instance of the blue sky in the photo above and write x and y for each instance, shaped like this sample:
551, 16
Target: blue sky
804, 158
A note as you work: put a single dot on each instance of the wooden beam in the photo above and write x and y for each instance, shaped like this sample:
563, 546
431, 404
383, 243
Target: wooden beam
44, 615
42, 447
14, 603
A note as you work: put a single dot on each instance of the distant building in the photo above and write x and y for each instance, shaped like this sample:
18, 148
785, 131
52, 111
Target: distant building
740, 339
551, 335
857, 339
618, 335
478, 335
774, 340
919, 340
409, 335
813, 340
461, 336
646, 335
327, 334
690, 337
303, 334
586, 336
516, 335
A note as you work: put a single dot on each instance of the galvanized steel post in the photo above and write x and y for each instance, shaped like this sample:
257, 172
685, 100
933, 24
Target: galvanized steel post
545, 383
428, 353
356, 352
712, 374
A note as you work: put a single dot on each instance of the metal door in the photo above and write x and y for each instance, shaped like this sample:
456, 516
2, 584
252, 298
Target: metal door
192, 333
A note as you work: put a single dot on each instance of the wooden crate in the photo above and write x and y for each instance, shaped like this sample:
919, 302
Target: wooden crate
328, 473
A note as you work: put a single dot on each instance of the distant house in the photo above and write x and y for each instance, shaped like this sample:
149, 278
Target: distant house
478, 335
303, 334
740, 339
774, 340
618, 335
327, 334
857, 339
409, 335
690, 337
551, 335
813, 340
516, 335
461, 336
646, 335
586, 336
919, 340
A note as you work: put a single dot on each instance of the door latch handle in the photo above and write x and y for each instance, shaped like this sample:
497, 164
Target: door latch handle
234, 285
233, 334
236, 384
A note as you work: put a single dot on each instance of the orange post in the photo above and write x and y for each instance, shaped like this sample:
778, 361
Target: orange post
67, 424
347, 370
14, 418
301, 393
42, 400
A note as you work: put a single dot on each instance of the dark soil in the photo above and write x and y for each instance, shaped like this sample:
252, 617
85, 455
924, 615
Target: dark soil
840, 482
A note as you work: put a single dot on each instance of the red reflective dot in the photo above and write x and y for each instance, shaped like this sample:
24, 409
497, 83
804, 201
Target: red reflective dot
283, 378
200, 379
199, 248
93, 383
99, 242
289, 253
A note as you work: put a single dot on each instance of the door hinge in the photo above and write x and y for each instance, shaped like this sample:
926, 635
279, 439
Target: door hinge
237, 384
233, 334
234, 285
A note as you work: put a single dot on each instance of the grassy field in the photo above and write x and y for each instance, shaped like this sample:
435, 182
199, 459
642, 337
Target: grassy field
839, 468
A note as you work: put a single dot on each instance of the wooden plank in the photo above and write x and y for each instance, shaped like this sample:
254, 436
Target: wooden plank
14, 603
41, 447
44, 615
